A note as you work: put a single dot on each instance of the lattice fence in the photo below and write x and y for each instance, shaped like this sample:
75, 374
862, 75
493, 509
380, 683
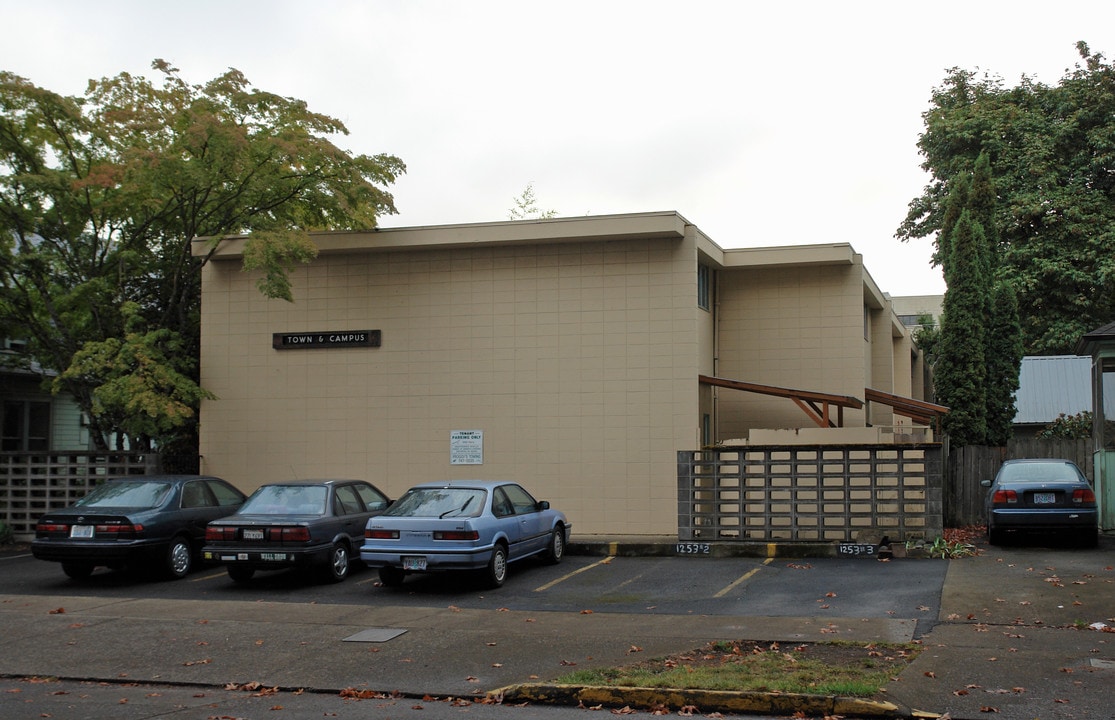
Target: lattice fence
32, 483
810, 493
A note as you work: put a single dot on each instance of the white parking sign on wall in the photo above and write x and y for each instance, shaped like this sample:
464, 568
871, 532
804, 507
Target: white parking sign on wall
466, 447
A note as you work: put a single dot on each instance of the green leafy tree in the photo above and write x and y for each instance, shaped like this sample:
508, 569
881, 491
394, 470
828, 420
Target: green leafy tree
102, 198
928, 338
526, 207
143, 383
1053, 148
961, 370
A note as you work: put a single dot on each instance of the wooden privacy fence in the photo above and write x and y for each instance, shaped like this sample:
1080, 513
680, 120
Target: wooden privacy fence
32, 483
810, 493
967, 466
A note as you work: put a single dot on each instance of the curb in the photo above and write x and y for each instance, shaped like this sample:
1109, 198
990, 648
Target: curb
792, 551
703, 701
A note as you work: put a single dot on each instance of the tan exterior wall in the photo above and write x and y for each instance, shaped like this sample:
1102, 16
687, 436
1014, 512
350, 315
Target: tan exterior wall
577, 360
796, 327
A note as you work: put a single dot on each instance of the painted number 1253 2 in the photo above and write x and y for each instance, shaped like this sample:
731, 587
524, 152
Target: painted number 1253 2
692, 548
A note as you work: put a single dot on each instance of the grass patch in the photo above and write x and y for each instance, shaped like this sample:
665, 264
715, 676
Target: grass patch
831, 668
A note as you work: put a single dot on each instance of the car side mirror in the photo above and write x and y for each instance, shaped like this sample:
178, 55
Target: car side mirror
543, 504
985, 483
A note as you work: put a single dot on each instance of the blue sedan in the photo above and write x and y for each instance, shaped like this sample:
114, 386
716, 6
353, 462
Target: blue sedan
463, 525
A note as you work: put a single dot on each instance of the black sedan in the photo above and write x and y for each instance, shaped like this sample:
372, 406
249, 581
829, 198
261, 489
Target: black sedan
1041, 496
145, 521
307, 524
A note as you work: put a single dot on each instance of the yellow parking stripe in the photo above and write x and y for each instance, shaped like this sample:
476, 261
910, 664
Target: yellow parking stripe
209, 577
578, 571
745, 578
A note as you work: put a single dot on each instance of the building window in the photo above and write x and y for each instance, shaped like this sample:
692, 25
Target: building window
26, 426
704, 287
706, 430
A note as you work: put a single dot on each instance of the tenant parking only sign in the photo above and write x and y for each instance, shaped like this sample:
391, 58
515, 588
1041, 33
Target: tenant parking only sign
327, 339
466, 447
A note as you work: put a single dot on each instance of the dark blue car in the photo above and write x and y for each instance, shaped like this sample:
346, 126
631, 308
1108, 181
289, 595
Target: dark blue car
151, 521
1041, 496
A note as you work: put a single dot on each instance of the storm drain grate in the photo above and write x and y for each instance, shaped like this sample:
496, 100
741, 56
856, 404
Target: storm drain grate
375, 635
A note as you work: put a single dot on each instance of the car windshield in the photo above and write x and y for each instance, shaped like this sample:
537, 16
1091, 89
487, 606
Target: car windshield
1038, 472
127, 494
440, 503
286, 500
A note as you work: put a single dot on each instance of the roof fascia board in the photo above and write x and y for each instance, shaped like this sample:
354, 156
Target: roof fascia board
799, 255
670, 225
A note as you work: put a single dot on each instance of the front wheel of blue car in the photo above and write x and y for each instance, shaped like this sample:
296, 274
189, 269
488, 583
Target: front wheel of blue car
556, 549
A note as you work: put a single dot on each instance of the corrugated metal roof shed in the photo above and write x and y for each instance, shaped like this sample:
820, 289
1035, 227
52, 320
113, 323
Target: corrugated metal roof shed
1051, 385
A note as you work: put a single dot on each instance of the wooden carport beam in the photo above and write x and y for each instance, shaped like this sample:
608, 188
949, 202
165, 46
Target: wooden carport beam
919, 411
814, 404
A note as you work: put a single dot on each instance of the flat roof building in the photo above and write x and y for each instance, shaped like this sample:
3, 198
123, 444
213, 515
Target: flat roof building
575, 355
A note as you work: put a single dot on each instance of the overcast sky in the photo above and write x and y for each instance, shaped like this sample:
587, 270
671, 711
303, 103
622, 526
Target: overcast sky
762, 123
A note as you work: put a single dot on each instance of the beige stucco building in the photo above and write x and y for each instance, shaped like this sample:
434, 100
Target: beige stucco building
565, 353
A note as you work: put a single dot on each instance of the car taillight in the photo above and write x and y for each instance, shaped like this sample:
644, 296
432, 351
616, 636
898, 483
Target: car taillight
1083, 495
381, 534
297, 533
456, 535
1004, 497
217, 534
51, 528
121, 531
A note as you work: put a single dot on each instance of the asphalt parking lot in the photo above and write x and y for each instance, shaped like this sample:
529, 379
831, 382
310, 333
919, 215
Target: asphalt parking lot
1019, 631
683, 585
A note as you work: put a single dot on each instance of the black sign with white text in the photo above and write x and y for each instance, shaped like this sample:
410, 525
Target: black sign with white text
329, 339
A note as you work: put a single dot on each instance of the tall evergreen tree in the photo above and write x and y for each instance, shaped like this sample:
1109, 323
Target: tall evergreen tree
1004, 359
1003, 340
961, 371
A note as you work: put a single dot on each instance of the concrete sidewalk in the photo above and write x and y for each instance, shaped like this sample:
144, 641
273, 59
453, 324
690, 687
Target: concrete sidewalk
1012, 639
1016, 638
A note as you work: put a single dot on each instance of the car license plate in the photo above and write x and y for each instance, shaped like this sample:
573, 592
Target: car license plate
414, 563
253, 534
81, 531
1045, 498
273, 557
